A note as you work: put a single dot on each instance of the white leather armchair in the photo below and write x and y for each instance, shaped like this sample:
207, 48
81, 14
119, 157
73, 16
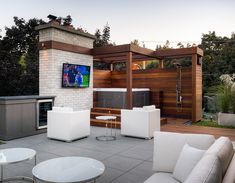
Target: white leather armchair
140, 122
68, 125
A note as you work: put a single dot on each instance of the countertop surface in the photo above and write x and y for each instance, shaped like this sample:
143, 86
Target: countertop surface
4, 98
120, 89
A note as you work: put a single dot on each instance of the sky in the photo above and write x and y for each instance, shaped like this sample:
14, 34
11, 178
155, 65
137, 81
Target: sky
150, 21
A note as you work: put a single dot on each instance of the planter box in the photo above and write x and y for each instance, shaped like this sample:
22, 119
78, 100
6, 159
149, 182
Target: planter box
226, 119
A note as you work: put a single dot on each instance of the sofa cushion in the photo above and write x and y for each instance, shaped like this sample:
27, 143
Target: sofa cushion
208, 170
200, 141
161, 178
188, 159
230, 175
167, 148
223, 148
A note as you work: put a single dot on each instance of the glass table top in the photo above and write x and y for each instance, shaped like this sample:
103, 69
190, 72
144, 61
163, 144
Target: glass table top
14, 155
68, 169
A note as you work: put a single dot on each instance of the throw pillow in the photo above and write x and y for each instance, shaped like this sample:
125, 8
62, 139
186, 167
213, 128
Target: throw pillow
188, 159
207, 170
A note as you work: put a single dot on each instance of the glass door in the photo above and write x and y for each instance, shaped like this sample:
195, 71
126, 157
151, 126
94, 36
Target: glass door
42, 107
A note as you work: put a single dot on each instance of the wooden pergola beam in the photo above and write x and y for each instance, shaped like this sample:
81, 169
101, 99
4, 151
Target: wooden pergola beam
111, 50
178, 52
120, 49
196, 89
112, 55
121, 58
142, 51
129, 80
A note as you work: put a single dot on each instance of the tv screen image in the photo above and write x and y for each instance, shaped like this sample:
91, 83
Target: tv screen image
75, 76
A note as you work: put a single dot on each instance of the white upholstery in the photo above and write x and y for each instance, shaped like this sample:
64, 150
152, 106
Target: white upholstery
149, 107
68, 125
137, 108
62, 108
208, 170
167, 148
140, 123
161, 178
229, 177
215, 162
187, 160
223, 148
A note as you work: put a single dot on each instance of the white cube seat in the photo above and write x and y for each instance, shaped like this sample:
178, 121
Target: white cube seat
68, 125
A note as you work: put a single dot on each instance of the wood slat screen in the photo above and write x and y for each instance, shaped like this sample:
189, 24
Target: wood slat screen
102, 79
157, 80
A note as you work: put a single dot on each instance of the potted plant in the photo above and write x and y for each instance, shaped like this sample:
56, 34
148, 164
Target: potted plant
227, 101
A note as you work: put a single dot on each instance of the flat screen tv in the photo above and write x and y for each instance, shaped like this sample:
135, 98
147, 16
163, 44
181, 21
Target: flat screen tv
75, 76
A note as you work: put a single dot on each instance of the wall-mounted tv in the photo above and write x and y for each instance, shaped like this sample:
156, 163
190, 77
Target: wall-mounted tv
75, 76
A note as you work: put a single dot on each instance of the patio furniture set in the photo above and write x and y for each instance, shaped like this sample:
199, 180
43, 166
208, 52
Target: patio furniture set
191, 158
67, 125
64, 169
63, 123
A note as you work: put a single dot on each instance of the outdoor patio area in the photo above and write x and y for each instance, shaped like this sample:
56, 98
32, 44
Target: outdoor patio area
125, 159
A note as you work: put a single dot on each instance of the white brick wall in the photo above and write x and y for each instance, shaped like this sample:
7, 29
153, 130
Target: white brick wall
50, 71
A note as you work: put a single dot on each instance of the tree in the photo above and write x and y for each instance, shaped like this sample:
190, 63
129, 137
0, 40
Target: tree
135, 42
106, 35
98, 41
67, 21
219, 58
104, 38
152, 65
19, 58
167, 45
158, 47
180, 45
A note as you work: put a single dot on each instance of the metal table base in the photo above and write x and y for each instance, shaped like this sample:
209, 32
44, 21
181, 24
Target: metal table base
106, 138
28, 179
111, 136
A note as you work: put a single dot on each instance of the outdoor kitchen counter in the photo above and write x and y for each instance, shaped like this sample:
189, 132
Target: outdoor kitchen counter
19, 115
37, 97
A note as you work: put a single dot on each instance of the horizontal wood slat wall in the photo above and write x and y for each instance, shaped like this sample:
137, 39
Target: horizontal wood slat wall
157, 80
102, 79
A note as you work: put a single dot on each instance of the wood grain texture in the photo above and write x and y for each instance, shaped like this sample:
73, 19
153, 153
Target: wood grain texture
157, 80
217, 132
129, 80
102, 79
64, 47
196, 89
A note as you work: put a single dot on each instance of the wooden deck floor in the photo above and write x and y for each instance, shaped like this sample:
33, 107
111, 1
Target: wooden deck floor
217, 132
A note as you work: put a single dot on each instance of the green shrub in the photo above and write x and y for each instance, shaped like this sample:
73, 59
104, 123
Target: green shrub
227, 94
225, 99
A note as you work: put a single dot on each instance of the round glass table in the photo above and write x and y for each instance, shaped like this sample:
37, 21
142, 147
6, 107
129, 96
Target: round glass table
107, 137
68, 169
15, 155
